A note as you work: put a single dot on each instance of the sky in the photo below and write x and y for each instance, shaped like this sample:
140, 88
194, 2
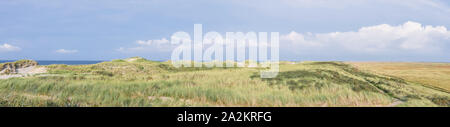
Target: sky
319, 30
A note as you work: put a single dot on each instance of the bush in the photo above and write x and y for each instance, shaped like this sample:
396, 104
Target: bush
105, 73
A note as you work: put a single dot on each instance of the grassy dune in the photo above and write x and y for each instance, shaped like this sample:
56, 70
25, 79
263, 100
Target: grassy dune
434, 75
139, 82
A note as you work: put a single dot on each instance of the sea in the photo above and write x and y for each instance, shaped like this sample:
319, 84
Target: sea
67, 62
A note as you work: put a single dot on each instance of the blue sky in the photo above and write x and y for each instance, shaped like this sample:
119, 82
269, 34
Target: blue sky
348, 30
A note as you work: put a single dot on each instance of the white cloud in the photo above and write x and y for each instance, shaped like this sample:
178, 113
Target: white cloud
66, 51
8, 48
410, 36
299, 39
407, 41
132, 49
150, 42
148, 46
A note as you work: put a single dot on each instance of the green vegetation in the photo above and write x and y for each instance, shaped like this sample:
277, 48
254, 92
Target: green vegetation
433, 75
139, 82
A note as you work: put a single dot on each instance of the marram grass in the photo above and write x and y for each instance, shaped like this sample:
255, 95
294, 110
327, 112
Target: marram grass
136, 83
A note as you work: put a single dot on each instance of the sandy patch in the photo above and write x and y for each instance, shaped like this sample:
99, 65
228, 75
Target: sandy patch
23, 72
131, 59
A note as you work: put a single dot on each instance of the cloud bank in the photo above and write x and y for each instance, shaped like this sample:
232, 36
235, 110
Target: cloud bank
410, 37
8, 48
384, 42
148, 46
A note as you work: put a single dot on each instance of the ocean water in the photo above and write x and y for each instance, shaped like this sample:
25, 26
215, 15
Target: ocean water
67, 62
